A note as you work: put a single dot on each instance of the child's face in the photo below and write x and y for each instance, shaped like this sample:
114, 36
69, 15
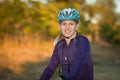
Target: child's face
68, 27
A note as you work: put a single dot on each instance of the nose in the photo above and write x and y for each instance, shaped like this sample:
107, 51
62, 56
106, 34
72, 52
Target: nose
67, 26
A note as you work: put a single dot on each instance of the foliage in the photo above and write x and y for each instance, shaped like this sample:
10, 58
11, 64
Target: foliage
33, 17
108, 33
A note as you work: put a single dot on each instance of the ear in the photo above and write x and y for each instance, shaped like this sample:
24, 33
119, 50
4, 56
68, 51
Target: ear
77, 26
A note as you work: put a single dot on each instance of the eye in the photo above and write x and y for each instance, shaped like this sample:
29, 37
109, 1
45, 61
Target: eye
71, 24
63, 24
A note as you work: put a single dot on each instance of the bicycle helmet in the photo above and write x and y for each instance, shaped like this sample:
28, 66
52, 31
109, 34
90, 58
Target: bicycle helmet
68, 14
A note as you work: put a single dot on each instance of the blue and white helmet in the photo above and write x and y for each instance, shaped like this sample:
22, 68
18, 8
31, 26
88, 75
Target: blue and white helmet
68, 14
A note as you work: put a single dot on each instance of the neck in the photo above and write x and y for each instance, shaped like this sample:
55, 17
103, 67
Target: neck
69, 39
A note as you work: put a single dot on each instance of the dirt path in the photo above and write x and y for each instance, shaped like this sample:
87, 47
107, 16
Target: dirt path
106, 66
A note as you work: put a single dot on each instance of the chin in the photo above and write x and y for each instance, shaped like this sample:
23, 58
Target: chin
67, 35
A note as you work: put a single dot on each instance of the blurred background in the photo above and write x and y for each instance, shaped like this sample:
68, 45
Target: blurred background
28, 29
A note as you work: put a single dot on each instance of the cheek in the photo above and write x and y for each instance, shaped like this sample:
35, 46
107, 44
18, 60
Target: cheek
73, 28
62, 28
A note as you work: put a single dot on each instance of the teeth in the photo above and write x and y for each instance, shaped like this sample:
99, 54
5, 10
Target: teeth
67, 31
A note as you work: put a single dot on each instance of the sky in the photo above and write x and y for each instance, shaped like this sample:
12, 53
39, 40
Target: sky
118, 5
43, 1
90, 1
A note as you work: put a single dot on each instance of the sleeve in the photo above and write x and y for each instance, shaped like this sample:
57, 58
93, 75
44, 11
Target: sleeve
51, 67
79, 63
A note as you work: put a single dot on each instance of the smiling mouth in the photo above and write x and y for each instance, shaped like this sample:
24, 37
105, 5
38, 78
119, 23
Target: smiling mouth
67, 31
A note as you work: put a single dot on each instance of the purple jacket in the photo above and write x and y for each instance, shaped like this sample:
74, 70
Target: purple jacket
75, 60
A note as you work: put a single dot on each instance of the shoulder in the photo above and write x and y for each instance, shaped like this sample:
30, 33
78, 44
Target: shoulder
82, 38
59, 43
